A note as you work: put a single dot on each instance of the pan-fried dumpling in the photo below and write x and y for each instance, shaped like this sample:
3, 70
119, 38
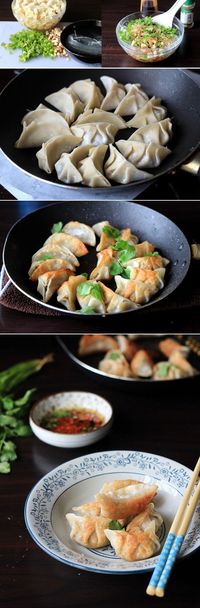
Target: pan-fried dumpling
54, 264
96, 344
89, 508
153, 111
156, 133
99, 227
101, 116
95, 134
91, 168
149, 276
143, 156
120, 304
127, 235
57, 251
88, 93
169, 345
168, 370
142, 364
49, 282
122, 498
73, 243
67, 165
67, 291
107, 293
137, 290
88, 530
115, 364
134, 545
115, 91
39, 132
101, 272
135, 99
145, 518
143, 249
149, 262
90, 295
119, 170
126, 347
51, 150
84, 232
67, 102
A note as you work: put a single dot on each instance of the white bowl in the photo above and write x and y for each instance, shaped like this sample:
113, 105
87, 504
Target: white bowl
71, 400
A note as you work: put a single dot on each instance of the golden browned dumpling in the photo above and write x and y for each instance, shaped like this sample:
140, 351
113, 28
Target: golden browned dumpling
133, 545
118, 500
115, 363
88, 530
142, 365
95, 344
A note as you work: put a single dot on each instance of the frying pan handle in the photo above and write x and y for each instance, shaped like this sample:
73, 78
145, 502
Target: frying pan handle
193, 166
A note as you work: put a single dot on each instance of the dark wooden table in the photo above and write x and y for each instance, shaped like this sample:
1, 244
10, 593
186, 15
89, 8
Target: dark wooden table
160, 422
188, 54
75, 10
174, 315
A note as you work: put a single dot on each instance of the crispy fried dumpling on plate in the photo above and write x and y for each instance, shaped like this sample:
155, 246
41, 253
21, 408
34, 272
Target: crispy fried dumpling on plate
119, 170
153, 111
63, 240
37, 133
169, 345
135, 99
88, 530
91, 168
115, 364
67, 165
67, 291
95, 133
67, 102
84, 232
147, 262
120, 304
88, 93
134, 545
122, 498
101, 272
95, 344
142, 364
99, 116
89, 508
136, 290
143, 156
55, 251
99, 227
51, 151
145, 518
90, 296
49, 282
48, 265
115, 91
156, 133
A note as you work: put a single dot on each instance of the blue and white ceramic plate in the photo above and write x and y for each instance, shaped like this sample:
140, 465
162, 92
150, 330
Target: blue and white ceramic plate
78, 480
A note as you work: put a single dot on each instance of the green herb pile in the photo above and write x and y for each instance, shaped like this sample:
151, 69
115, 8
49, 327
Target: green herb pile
31, 43
144, 33
13, 410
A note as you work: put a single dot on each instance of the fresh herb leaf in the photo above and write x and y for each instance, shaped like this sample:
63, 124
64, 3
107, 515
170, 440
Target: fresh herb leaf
5, 467
89, 288
163, 369
115, 268
114, 356
126, 255
152, 255
88, 310
57, 228
114, 524
126, 274
46, 256
111, 232
31, 43
84, 274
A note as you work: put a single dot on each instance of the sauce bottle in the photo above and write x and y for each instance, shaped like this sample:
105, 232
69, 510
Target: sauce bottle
187, 13
148, 6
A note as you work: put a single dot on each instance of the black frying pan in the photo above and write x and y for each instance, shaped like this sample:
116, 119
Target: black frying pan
178, 91
29, 234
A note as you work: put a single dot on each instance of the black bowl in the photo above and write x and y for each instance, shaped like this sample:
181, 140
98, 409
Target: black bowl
83, 40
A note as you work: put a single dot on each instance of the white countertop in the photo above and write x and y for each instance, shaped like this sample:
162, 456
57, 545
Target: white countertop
11, 60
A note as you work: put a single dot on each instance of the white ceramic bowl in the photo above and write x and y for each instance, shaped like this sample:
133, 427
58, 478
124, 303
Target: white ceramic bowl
73, 399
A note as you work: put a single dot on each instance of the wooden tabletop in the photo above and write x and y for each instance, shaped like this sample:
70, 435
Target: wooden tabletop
31, 578
75, 11
188, 54
175, 313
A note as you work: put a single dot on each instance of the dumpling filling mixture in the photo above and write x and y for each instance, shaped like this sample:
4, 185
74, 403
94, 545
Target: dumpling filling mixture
147, 35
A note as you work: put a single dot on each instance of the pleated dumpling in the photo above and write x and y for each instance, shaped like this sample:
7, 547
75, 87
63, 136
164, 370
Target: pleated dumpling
143, 156
39, 126
88, 93
54, 147
151, 112
54, 251
91, 296
101, 272
95, 133
144, 248
122, 498
120, 304
149, 262
145, 518
156, 133
101, 116
119, 170
91, 168
154, 278
42, 114
88, 530
66, 241
67, 165
114, 363
67, 292
84, 232
99, 227
49, 282
96, 343
135, 99
48, 265
115, 91
134, 545
138, 290
67, 102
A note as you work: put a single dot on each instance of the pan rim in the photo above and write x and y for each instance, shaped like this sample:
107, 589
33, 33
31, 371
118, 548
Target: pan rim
76, 313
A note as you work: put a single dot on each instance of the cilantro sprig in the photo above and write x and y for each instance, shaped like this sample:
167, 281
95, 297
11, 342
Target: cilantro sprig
90, 288
31, 43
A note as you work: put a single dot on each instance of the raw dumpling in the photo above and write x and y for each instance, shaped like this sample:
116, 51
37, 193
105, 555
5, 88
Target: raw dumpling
102, 270
40, 131
134, 545
88, 530
115, 91
82, 231
135, 99
91, 295
153, 111
143, 156
122, 498
101, 116
91, 168
54, 264
88, 93
67, 102
73, 243
115, 364
147, 262
42, 115
95, 134
67, 166
96, 344
121, 304
54, 147
49, 282
55, 251
155, 133
67, 292
142, 365
119, 170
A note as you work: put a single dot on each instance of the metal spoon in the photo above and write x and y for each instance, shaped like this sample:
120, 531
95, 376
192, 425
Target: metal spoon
166, 18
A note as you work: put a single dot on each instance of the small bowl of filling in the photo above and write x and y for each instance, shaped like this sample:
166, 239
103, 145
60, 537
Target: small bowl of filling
147, 41
71, 419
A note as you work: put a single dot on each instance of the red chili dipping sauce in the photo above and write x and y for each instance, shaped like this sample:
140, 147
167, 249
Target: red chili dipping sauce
72, 421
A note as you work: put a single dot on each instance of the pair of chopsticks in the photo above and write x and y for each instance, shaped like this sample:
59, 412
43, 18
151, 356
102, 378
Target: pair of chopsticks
175, 537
